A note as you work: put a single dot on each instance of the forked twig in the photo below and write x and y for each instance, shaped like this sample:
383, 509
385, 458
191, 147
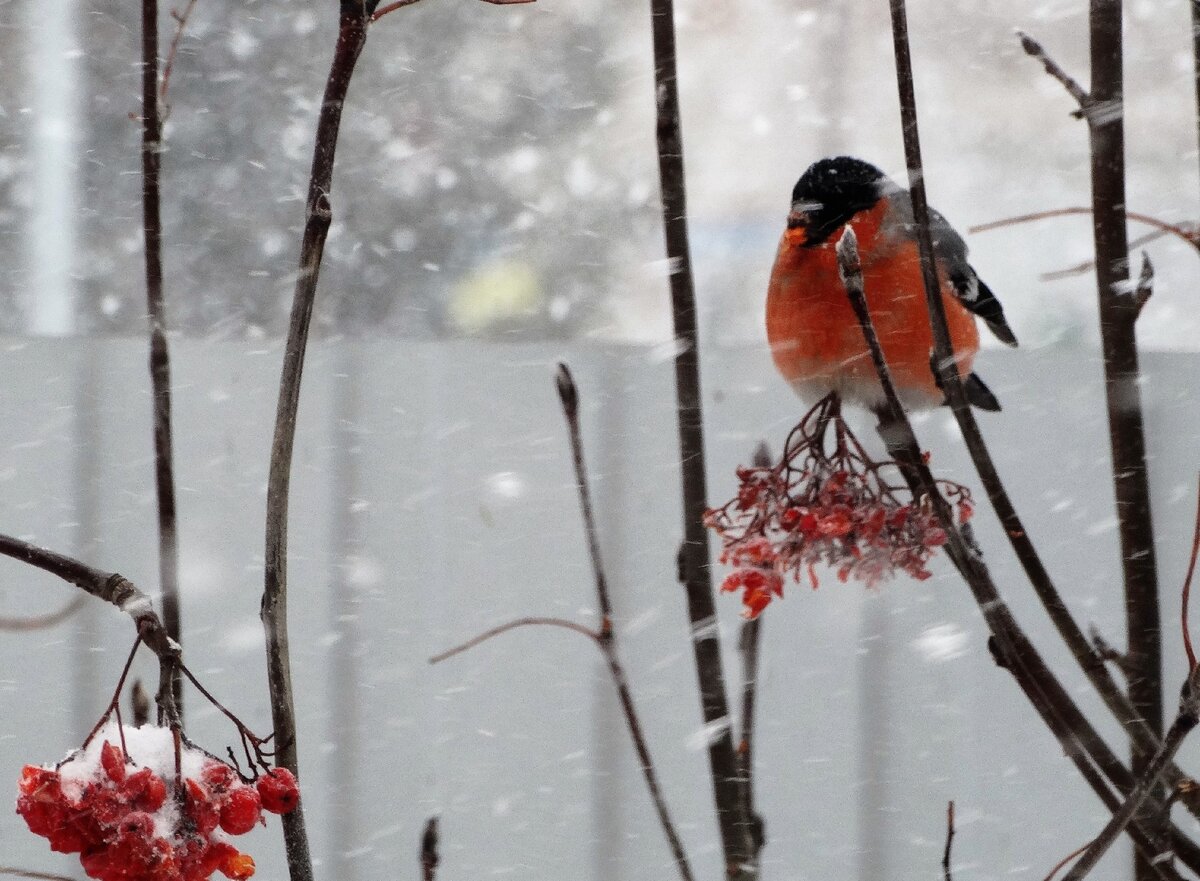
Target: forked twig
181, 20
605, 636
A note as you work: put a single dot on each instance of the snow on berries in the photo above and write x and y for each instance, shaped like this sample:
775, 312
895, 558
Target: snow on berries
121, 806
815, 507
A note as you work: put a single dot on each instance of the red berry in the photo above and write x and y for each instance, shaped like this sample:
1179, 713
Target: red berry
218, 777
241, 811
144, 790
37, 781
239, 867
112, 759
202, 811
279, 791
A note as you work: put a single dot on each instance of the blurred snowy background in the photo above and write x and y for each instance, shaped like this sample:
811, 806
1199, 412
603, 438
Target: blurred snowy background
496, 210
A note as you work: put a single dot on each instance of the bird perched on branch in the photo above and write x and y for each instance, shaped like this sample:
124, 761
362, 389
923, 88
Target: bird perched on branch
816, 340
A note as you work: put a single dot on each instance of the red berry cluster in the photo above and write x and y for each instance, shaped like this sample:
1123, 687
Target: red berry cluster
130, 824
833, 508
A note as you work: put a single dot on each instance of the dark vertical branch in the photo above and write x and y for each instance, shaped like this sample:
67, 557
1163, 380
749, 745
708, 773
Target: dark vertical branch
1118, 315
694, 554
160, 364
1119, 308
694, 565
352, 35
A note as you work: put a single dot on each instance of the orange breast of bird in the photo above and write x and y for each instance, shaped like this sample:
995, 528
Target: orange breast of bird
814, 335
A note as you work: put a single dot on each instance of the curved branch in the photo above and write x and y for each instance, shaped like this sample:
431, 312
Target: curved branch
1187, 591
532, 621
43, 622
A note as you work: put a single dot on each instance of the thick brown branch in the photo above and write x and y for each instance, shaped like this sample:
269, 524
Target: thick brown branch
1122, 380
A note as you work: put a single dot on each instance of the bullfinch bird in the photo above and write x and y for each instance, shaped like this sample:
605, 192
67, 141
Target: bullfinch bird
816, 340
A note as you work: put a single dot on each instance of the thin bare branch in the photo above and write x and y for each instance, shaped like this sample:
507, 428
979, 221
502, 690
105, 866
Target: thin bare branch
41, 876
568, 395
1034, 49
1089, 265
181, 20
530, 621
43, 622
949, 841
1058, 867
400, 4
1187, 591
1187, 234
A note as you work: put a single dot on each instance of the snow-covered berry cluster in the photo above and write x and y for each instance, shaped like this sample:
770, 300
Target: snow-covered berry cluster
120, 807
825, 508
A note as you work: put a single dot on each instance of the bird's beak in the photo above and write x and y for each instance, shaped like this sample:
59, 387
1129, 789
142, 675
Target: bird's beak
797, 224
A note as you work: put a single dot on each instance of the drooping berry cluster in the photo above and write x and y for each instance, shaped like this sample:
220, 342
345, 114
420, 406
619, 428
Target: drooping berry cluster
835, 508
134, 823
